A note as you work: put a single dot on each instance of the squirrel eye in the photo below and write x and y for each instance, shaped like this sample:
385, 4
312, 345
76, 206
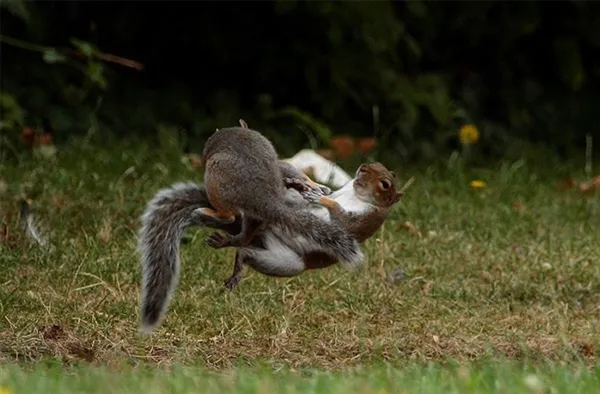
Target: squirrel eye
385, 184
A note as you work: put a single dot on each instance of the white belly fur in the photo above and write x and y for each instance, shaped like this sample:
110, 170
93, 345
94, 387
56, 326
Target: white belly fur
284, 254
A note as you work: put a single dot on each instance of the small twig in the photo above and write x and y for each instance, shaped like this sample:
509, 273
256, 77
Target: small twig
107, 57
23, 44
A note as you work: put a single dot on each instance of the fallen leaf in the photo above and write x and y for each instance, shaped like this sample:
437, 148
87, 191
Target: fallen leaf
28, 136
486, 276
478, 184
5, 390
366, 145
46, 139
518, 206
59, 201
568, 183
590, 186
343, 146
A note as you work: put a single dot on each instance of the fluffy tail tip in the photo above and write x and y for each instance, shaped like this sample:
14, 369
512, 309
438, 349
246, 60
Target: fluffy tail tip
150, 319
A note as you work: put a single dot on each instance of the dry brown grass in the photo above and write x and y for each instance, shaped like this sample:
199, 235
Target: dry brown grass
511, 271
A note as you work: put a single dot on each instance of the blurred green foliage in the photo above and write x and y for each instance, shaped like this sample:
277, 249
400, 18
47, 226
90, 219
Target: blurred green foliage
409, 73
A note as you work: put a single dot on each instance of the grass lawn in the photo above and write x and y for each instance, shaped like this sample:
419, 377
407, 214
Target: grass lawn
486, 378
504, 281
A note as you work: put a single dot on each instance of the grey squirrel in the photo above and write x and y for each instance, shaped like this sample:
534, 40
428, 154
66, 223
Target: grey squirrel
243, 176
244, 191
360, 207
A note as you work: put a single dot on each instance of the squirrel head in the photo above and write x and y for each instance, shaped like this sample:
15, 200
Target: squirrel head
377, 185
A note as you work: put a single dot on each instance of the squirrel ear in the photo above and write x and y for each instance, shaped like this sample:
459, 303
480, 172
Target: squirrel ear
243, 124
361, 168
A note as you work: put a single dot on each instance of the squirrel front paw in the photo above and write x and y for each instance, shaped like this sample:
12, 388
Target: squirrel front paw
324, 189
306, 185
296, 184
311, 196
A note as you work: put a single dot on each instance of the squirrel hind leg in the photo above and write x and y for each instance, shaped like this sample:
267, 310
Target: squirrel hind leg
250, 229
236, 276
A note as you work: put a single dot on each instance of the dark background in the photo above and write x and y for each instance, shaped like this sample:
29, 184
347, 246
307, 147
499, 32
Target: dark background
408, 73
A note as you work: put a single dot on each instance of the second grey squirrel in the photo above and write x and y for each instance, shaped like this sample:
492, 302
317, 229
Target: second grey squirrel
360, 207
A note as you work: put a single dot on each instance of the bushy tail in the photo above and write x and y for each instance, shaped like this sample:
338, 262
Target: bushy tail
164, 220
326, 236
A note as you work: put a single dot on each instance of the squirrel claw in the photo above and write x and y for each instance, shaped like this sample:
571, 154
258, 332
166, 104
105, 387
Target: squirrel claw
232, 282
294, 183
324, 189
216, 241
304, 186
311, 196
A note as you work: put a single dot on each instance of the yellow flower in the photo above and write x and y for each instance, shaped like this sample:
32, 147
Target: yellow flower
477, 184
468, 134
5, 390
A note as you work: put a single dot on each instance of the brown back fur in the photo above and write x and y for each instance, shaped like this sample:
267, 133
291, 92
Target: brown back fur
242, 171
